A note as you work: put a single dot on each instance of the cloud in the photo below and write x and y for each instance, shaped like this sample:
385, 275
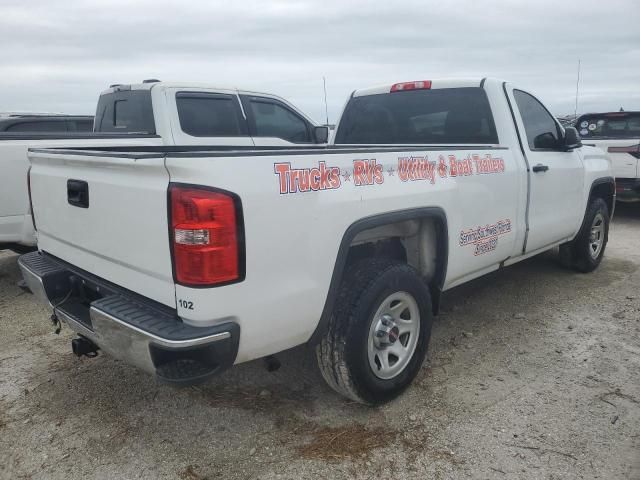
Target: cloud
58, 56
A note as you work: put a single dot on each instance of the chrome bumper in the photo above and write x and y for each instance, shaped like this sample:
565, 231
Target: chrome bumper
142, 333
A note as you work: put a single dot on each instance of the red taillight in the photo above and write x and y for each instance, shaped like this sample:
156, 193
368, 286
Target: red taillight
206, 236
419, 85
33, 218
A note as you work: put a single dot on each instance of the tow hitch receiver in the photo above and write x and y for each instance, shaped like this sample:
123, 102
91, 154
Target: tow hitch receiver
83, 347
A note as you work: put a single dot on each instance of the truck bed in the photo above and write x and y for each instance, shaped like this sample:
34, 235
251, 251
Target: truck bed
124, 234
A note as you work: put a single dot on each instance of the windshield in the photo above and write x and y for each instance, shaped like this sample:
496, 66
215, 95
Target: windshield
441, 116
609, 125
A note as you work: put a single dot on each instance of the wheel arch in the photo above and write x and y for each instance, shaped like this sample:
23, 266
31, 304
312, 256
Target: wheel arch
605, 188
436, 284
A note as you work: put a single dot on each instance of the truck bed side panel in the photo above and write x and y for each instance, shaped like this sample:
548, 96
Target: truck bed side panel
293, 231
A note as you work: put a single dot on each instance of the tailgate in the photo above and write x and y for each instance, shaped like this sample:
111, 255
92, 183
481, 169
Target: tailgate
106, 213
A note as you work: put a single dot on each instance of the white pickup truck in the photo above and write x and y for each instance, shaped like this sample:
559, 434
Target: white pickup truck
618, 134
150, 113
186, 261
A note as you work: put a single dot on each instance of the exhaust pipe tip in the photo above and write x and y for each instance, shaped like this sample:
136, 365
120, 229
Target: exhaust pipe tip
83, 347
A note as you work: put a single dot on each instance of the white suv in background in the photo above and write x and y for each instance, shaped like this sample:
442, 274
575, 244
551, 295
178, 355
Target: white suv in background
618, 134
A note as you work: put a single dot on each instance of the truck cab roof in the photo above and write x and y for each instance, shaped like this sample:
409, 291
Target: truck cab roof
158, 85
424, 84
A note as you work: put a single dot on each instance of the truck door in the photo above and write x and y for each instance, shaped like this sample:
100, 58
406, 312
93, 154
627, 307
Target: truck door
556, 177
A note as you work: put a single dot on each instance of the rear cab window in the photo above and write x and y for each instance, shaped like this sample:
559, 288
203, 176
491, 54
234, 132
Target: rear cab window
609, 125
127, 111
439, 116
210, 115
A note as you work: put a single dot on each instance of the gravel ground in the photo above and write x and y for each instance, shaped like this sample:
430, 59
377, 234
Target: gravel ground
533, 372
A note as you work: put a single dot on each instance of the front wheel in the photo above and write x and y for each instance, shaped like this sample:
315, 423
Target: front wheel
378, 333
585, 252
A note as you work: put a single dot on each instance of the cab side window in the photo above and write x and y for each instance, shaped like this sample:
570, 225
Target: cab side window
271, 119
540, 127
210, 115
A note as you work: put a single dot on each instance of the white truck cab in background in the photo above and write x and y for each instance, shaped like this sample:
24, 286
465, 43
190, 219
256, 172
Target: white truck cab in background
199, 114
147, 114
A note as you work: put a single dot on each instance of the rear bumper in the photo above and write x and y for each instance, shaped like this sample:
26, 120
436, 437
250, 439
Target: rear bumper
628, 189
129, 327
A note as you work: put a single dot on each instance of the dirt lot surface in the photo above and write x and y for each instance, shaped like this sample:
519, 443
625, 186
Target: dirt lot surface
533, 372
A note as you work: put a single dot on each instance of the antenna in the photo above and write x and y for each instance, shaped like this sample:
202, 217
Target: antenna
575, 112
326, 109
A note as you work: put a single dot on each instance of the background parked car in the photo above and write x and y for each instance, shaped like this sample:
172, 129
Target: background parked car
44, 123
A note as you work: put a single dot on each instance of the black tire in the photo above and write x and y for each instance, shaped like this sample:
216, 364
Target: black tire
579, 253
342, 353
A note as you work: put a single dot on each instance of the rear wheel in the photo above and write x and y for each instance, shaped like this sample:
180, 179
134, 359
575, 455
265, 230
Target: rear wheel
585, 252
379, 331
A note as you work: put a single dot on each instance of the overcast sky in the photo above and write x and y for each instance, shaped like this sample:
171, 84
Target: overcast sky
58, 56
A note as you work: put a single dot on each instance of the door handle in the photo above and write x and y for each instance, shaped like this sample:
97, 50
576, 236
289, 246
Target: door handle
78, 193
540, 168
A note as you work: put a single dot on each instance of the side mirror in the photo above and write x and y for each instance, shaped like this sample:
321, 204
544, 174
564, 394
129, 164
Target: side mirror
571, 139
545, 141
321, 134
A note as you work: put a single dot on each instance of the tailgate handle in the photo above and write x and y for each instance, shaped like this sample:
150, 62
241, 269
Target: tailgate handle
78, 193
